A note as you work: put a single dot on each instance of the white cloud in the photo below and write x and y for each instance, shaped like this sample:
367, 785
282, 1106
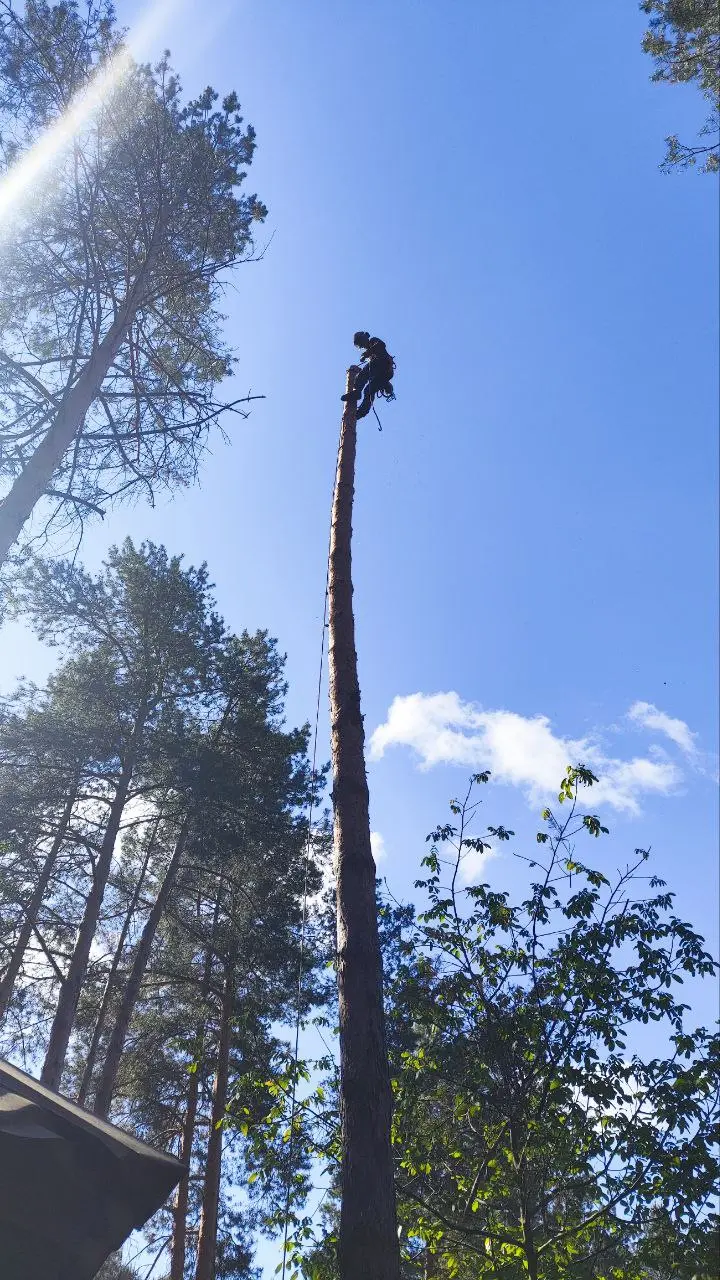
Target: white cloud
472, 867
377, 844
523, 751
650, 717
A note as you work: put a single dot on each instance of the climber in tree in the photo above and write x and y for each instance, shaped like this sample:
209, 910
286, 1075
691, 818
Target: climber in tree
375, 376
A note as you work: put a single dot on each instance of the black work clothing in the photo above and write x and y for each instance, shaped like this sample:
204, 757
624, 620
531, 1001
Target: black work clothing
375, 375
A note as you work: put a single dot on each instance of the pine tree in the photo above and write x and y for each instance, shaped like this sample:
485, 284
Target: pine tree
189, 932
57, 750
110, 348
683, 39
151, 624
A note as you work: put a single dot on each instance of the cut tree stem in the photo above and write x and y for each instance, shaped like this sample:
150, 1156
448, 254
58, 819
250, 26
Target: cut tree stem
368, 1242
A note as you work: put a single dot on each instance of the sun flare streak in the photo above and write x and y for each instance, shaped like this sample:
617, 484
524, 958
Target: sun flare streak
21, 181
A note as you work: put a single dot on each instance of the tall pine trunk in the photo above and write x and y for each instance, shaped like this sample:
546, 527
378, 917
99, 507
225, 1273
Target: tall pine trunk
180, 1208
35, 477
7, 986
368, 1242
103, 1096
72, 986
111, 980
116, 1043
207, 1242
180, 1212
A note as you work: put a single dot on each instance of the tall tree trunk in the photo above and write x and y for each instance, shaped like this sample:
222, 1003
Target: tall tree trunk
526, 1210
431, 1270
72, 986
531, 1259
103, 1096
99, 1027
207, 1243
116, 1043
368, 1242
179, 1240
7, 986
180, 1208
35, 477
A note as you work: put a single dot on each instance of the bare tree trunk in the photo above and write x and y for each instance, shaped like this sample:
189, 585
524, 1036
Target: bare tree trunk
431, 1269
207, 1243
116, 1043
526, 1221
7, 985
72, 986
103, 1096
35, 477
180, 1208
368, 1243
180, 1212
99, 1027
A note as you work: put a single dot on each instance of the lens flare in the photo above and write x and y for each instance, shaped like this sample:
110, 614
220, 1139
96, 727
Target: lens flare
23, 178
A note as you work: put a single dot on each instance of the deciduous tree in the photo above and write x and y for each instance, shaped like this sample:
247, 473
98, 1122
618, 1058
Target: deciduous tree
534, 1135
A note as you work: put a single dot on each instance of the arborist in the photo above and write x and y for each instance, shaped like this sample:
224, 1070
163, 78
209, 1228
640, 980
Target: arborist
376, 373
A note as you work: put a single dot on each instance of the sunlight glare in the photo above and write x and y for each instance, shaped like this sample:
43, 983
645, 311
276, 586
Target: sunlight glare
21, 180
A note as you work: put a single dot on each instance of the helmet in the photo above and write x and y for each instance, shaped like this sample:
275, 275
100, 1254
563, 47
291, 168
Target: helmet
361, 338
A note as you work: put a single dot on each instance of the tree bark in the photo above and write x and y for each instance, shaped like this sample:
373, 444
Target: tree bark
116, 1043
368, 1242
103, 1096
207, 1242
179, 1241
35, 477
431, 1267
7, 986
99, 1027
526, 1224
72, 986
180, 1208
531, 1260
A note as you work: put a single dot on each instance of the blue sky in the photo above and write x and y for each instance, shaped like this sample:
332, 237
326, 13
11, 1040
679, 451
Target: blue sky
535, 528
